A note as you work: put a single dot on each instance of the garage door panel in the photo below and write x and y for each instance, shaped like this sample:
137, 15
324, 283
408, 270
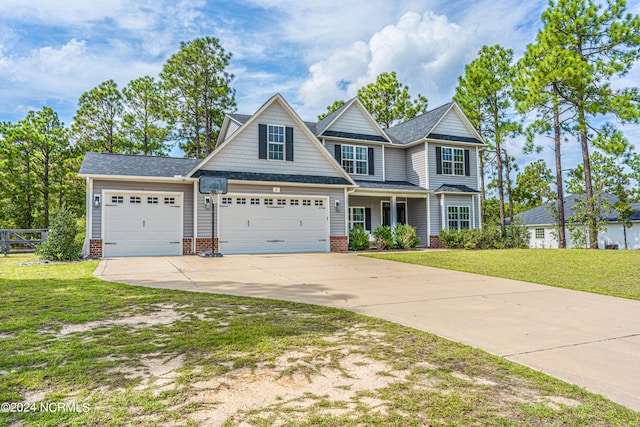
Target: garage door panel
142, 224
287, 225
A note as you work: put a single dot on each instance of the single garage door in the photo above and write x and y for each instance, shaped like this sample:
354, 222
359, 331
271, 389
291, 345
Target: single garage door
141, 223
259, 224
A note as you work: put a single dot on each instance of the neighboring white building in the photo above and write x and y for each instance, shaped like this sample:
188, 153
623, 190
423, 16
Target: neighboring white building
544, 232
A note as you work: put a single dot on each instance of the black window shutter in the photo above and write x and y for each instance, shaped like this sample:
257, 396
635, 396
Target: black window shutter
371, 161
467, 168
289, 143
367, 219
262, 141
439, 160
338, 152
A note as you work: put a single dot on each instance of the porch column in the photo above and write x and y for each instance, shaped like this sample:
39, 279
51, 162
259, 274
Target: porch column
442, 213
393, 214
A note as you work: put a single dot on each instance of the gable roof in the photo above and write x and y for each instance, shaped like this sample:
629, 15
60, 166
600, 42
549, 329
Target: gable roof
135, 165
277, 98
323, 126
541, 215
420, 127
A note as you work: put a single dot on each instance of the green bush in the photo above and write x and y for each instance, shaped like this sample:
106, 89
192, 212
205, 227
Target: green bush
383, 237
405, 236
358, 238
490, 237
61, 243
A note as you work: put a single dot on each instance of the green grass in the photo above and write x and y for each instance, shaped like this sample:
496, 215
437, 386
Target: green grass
217, 339
615, 273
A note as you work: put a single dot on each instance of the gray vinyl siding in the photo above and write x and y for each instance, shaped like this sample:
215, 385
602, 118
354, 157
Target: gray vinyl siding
374, 203
354, 121
336, 219
417, 217
452, 200
436, 180
186, 189
416, 169
377, 159
395, 163
233, 126
241, 152
451, 124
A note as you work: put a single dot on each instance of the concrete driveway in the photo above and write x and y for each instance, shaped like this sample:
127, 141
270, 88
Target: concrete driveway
585, 339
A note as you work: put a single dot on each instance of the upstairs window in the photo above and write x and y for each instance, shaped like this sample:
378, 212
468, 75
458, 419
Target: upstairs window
355, 160
275, 142
452, 161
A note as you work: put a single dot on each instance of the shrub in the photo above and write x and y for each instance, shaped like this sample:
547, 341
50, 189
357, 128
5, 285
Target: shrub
405, 236
358, 238
383, 237
517, 235
451, 238
61, 243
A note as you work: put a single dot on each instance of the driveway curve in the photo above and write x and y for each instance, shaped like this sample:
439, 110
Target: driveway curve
586, 339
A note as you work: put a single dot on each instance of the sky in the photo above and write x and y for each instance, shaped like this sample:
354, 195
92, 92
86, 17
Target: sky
312, 52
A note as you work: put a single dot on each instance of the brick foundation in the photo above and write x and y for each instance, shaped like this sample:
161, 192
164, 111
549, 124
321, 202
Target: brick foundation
95, 248
435, 242
204, 244
339, 243
186, 246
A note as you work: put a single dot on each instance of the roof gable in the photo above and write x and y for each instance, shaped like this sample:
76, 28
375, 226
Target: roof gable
239, 152
351, 121
455, 123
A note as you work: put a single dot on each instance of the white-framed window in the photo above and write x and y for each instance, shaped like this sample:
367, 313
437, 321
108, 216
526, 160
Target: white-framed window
227, 200
357, 217
539, 233
355, 159
135, 200
241, 201
255, 201
306, 203
458, 217
319, 203
268, 202
275, 142
169, 200
294, 202
452, 161
117, 199
152, 200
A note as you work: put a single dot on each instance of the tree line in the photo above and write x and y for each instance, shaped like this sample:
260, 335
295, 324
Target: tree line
185, 105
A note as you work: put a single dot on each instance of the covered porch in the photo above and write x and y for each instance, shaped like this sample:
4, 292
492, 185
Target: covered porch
376, 204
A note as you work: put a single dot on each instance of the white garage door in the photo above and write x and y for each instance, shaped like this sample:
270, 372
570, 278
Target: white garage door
141, 223
259, 224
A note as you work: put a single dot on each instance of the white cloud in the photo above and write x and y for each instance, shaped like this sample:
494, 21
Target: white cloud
422, 48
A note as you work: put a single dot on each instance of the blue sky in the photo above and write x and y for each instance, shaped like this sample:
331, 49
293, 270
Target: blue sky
313, 52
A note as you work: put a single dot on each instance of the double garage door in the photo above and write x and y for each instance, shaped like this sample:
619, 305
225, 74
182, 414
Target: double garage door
272, 224
150, 223
142, 223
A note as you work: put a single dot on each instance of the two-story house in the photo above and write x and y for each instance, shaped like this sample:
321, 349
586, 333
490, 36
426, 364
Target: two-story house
293, 186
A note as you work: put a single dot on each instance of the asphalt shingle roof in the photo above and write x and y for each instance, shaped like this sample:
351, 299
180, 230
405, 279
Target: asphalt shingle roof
449, 188
136, 165
389, 185
418, 127
542, 214
274, 177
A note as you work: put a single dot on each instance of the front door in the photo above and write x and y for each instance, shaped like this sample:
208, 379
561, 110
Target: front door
401, 213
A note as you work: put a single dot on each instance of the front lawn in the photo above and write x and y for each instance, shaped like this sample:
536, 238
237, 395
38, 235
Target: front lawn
124, 355
615, 273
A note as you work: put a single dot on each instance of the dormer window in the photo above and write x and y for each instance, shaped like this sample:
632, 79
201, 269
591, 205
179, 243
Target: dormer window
275, 142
